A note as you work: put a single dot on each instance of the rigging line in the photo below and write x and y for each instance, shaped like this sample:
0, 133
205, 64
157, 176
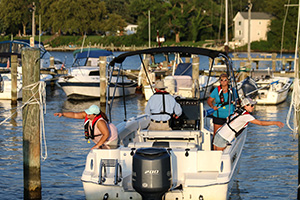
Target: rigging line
220, 24
295, 102
282, 33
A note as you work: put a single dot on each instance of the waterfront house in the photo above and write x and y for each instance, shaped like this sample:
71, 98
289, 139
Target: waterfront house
130, 29
259, 27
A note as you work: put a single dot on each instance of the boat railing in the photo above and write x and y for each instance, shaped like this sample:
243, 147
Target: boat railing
172, 145
171, 136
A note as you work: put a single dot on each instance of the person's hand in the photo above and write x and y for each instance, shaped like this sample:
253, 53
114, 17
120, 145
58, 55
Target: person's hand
58, 114
279, 124
215, 108
96, 147
175, 116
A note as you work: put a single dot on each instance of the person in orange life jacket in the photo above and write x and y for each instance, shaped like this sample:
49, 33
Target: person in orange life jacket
221, 95
161, 107
97, 127
237, 122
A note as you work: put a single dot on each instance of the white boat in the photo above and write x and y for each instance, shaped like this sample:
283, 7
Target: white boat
83, 81
270, 90
5, 93
181, 83
14, 47
175, 164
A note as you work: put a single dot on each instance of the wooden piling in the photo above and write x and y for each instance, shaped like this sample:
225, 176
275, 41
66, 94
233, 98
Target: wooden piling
13, 72
103, 80
31, 124
187, 60
274, 61
52, 62
195, 76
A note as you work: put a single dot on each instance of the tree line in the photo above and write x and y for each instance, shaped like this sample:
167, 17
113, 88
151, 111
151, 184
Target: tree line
178, 20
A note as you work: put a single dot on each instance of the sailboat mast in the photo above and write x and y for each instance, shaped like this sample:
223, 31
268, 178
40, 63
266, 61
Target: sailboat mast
226, 27
249, 31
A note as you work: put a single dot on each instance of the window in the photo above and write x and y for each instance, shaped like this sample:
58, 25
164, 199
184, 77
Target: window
240, 32
240, 23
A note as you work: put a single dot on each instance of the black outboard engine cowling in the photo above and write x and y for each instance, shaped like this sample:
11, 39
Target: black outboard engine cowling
151, 172
249, 86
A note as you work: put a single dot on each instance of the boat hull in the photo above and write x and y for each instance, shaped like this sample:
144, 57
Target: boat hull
78, 90
276, 93
198, 174
6, 91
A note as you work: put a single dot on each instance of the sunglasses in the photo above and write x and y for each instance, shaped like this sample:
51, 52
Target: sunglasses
250, 105
223, 79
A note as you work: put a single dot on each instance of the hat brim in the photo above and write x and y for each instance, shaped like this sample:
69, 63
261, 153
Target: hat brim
88, 112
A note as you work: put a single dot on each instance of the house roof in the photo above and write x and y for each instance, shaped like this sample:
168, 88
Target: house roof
256, 15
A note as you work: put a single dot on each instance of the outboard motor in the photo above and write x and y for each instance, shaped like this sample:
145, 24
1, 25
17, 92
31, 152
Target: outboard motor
248, 86
151, 175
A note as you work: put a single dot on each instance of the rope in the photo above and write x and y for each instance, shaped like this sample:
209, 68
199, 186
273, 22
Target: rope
294, 107
41, 101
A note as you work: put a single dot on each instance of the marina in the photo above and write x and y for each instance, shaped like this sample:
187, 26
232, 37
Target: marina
268, 165
269, 158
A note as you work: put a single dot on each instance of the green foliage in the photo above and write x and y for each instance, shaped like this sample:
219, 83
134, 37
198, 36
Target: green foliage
176, 20
14, 15
66, 41
261, 46
97, 40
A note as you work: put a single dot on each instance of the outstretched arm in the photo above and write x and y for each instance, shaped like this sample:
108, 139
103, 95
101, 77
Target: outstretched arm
267, 123
76, 115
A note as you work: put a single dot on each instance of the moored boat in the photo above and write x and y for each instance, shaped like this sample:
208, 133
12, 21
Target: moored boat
270, 90
83, 79
180, 83
174, 164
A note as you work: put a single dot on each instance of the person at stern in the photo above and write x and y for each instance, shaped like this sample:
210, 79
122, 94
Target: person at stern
161, 107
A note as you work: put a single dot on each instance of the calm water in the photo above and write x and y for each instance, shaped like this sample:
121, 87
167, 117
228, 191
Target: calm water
268, 166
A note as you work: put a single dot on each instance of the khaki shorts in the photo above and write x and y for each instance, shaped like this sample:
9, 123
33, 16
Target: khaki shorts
219, 141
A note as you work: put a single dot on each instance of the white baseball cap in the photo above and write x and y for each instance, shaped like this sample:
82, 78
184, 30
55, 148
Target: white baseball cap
93, 109
246, 101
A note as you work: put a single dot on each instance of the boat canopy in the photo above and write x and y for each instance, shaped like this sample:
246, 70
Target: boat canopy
14, 47
183, 51
184, 69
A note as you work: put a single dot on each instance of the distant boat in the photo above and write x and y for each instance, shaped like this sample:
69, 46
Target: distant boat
269, 90
181, 83
14, 47
83, 79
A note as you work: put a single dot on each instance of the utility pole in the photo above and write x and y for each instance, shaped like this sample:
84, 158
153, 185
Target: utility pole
149, 28
249, 31
33, 20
